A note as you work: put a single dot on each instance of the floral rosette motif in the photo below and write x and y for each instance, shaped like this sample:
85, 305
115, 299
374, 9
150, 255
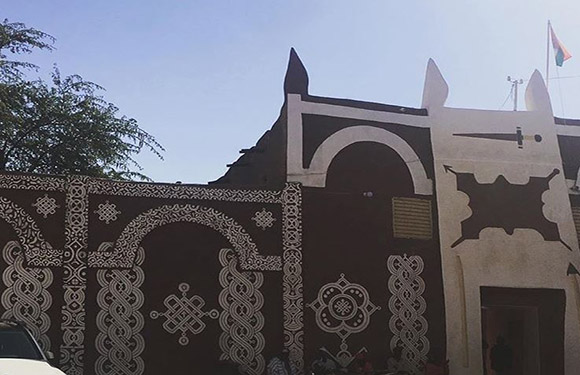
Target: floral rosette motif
343, 308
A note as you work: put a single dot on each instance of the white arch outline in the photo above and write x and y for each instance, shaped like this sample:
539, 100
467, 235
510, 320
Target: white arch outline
332, 145
37, 251
125, 247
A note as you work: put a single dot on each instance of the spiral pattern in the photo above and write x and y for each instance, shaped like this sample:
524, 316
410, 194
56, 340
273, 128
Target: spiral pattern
119, 341
407, 305
241, 319
26, 297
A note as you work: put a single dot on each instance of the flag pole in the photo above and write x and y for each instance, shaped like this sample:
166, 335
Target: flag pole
548, 56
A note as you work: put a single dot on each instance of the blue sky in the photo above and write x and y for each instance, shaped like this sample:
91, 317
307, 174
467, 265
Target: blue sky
205, 77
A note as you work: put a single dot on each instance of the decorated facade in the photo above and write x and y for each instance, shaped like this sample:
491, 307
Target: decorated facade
349, 226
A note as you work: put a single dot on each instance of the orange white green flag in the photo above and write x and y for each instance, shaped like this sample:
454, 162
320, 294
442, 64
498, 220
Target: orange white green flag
560, 52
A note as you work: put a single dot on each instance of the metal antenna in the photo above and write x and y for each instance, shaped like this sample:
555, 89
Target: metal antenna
515, 83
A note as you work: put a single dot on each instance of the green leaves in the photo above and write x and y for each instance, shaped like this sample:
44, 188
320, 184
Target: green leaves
16, 38
63, 126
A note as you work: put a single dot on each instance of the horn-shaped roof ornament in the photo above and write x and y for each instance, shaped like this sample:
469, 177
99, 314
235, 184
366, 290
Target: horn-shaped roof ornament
436, 89
537, 97
296, 80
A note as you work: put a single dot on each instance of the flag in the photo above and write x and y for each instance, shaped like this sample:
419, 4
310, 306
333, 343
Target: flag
560, 52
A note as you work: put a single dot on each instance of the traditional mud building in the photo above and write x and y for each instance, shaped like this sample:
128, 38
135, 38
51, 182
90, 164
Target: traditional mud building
350, 225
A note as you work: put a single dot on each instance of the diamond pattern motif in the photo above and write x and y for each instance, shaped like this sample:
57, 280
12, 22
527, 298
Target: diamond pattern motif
46, 206
264, 219
184, 314
107, 212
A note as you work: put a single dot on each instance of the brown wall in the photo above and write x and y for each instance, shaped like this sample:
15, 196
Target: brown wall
346, 232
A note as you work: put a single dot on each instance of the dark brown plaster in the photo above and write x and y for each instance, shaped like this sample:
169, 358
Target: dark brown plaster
504, 205
318, 128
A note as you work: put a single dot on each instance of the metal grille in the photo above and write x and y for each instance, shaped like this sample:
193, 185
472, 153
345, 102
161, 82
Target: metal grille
576, 216
412, 218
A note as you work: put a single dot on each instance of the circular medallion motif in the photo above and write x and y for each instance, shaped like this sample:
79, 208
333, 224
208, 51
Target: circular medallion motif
343, 308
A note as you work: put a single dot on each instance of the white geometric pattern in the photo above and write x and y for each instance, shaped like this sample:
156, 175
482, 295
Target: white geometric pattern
292, 283
24, 182
184, 314
37, 251
46, 206
107, 212
241, 319
407, 305
343, 308
129, 241
264, 219
26, 297
74, 282
183, 192
119, 341
73, 258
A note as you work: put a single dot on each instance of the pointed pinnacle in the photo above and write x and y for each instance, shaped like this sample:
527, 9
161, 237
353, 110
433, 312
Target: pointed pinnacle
296, 80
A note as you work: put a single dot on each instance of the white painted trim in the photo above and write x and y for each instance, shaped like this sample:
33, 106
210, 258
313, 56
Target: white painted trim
381, 116
316, 174
294, 147
327, 151
572, 131
363, 114
294, 136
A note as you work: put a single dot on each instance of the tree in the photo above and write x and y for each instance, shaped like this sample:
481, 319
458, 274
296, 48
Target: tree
63, 126
16, 38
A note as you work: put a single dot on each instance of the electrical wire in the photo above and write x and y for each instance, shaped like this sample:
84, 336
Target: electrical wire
565, 77
557, 78
507, 98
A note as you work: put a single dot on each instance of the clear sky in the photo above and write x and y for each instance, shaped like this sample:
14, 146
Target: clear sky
206, 77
